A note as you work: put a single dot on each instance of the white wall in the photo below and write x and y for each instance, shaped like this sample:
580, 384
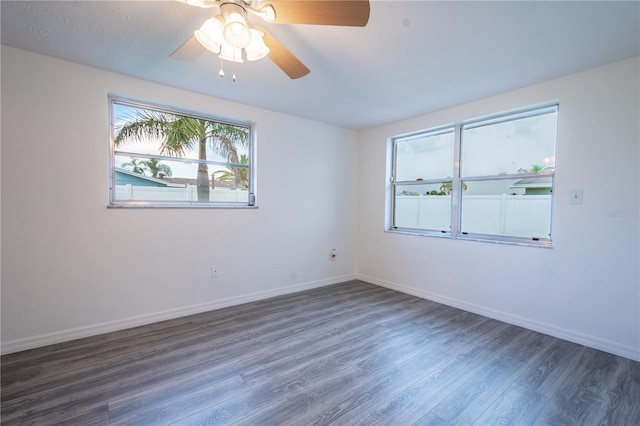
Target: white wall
61, 248
586, 288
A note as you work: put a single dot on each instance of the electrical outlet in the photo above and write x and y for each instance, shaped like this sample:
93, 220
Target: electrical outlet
215, 272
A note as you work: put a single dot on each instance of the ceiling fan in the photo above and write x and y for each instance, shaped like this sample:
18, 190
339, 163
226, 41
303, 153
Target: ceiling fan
229, 34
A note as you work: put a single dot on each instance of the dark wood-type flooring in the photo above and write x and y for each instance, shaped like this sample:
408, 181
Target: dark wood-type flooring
346, 354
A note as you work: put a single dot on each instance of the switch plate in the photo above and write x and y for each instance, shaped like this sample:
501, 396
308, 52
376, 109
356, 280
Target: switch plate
575, 196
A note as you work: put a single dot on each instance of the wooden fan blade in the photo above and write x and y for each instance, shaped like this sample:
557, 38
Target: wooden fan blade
189, 51
283, 58
349, 13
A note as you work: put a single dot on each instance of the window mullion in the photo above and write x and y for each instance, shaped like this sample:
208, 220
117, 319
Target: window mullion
509, 176
456, 195
394, 157
421, 181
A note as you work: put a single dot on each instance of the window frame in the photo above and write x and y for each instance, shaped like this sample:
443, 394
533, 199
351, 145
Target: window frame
436, 131
455, 224
250, 166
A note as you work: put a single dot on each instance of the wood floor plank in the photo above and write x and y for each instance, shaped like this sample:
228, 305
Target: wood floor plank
380, 383
402, 350
412, 403
623, 396
549, 371
430, 419
350, 353
515, 406
470, 400
94, 416
580, 398
437, 377
256, 402
166, 408
361, 342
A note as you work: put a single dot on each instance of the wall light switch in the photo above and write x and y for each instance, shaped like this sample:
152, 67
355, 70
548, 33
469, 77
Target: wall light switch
575, 196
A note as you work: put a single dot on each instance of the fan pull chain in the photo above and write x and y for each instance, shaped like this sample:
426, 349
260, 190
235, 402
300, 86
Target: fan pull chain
233, 67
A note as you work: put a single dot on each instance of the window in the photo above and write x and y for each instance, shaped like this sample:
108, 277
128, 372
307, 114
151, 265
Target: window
487, 179
162, 157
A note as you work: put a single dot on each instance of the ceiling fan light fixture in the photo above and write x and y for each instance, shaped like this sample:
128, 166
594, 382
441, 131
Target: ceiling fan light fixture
236, 31
256, 48
237, 40
210, 34
230, 53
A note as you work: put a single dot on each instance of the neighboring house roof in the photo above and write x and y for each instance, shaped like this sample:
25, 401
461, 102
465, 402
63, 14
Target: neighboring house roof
536, 182
124, 176
541, 182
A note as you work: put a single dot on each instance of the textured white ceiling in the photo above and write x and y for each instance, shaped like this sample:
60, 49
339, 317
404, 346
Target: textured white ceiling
412, 58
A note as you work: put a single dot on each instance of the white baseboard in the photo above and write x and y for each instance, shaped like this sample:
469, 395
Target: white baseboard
561, 333
121, 324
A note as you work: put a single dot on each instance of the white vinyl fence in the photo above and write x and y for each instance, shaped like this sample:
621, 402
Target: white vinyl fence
514, 215
188, 193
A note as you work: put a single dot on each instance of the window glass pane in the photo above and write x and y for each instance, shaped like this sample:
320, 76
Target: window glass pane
165, 156
425, 157
515, 146
423, 206
514, 207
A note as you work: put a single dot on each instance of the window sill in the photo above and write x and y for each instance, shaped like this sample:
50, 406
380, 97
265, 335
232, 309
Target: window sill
479, 238
178, 206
